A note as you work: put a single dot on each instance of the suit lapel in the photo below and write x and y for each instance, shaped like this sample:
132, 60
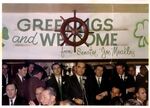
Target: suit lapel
98, 87
18, 79
18, 101
54, 79
63, 80
54, 82
77, 84
15, 102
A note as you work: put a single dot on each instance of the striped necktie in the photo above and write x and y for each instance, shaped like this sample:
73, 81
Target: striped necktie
81, 82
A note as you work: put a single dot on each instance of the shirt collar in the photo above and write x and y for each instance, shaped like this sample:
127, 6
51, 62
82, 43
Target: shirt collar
139, 101
58, 78
78, 77
5, 75
98, 77
123, 75
12, 100
20, 77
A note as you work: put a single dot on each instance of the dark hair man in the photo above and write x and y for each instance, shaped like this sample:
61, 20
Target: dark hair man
11, 97
19, 79
58, 82
78, 85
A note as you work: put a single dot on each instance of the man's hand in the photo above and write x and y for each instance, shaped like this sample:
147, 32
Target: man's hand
78, 101
101, 95
131, 89
31, 103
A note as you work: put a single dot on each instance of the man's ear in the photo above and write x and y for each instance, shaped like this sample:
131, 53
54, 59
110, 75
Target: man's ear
75, 68
53, 98
16, 90
124, 68
137, 94
120, 94
95, 71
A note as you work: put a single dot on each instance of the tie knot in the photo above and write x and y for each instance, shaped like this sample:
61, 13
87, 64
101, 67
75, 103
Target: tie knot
81, 82
59, 80
99, 81
121, 77
80, 79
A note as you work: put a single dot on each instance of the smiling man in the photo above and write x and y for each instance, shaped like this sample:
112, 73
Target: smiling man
11, 97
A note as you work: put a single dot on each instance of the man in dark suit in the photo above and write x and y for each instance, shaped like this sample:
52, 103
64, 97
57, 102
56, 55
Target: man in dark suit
100, 86
115, 97
123, 81
78, 85
31, 66
19, 79
11, 97
6, 77
58, 82
132, 71
142, 77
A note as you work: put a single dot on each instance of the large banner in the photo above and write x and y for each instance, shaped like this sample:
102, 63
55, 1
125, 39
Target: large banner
75, 35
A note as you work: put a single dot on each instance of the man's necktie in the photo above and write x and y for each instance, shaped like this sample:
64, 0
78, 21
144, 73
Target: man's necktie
81, 82
59, 82
121, 77
60, 88
99, 82
11, 102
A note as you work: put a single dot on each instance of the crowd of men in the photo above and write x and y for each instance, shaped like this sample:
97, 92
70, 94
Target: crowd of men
84, 87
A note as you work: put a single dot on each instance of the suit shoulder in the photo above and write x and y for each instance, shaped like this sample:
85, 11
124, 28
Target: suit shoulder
5, 100
21, 101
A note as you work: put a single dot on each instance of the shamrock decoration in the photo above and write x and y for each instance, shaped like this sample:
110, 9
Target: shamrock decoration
141, 32
5, 35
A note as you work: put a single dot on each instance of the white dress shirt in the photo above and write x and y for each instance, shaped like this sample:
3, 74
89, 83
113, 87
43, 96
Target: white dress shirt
13, 101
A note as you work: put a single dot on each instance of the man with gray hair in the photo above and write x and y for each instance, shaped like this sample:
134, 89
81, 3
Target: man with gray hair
48, 97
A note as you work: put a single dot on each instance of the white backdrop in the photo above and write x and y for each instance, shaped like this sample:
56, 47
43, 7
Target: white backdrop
125, 38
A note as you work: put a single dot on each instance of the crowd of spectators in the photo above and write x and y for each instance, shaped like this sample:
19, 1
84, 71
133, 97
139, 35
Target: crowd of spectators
84, 86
